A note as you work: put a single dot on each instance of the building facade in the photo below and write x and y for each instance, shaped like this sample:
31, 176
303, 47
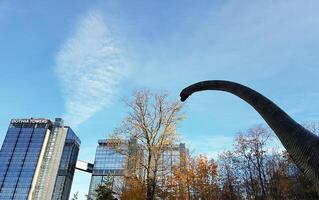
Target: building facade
171, 157
67, 166
112, 163
109, 164
37, 160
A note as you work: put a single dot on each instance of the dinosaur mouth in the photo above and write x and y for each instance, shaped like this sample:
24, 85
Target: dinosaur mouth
184, 95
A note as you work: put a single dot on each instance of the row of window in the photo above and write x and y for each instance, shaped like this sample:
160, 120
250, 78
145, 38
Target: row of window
27, 125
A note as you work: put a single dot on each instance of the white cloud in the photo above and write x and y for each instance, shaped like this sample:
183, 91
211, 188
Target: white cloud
89, 66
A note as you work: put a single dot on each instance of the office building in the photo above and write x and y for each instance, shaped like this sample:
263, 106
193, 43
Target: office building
172, 157
37, 160
111, 163
66, 170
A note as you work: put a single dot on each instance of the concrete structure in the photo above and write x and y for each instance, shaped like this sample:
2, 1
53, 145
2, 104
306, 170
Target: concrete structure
84, 166
37, 160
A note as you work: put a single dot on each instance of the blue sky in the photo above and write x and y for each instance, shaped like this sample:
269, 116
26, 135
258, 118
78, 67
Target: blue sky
77, 59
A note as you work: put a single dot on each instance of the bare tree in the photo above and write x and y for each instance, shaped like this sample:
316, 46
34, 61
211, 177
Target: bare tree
261, 174
151, 120
250, 148
229, 176
312, 126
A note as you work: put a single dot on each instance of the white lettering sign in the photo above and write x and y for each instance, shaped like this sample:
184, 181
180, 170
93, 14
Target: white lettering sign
30, 121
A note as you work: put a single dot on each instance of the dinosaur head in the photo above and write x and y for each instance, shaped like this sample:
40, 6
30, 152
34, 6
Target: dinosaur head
184, 94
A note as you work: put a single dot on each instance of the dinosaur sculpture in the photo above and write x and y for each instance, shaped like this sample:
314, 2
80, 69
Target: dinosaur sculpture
301, 144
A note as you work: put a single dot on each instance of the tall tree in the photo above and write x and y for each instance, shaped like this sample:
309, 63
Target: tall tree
229, 176
206, 178
104, 192
152, 120
261, 174
135, 189
250, 148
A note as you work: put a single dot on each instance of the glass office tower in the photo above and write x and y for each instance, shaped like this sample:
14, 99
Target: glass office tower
19, 157
109, 165
68, 161
174, 156
32, 153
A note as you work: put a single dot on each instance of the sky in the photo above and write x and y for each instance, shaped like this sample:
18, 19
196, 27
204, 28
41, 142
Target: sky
79, 59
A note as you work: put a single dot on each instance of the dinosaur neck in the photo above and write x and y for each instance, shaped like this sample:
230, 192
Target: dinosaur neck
299, 142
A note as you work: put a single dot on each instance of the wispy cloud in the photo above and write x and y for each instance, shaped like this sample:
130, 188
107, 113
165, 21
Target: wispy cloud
89, 66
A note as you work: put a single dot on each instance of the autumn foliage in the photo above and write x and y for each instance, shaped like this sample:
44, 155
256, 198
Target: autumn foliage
135, 189
250, 171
